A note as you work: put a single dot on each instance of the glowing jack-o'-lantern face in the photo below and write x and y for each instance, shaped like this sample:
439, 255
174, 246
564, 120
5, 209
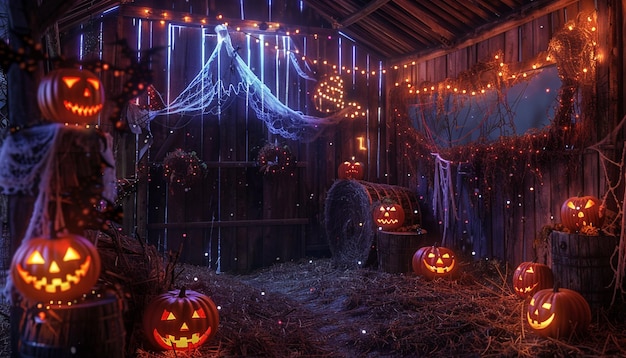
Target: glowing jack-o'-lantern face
389, 216
70, 95
180, 320
434, 261
350, 170
530, 277
55, 269
578, 212
558, 312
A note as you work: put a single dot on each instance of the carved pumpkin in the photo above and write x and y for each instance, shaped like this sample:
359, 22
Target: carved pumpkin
530, 277
580, 211
61, 268
180, 320
558, 312
70, 95
434, 261
350, 170
388, 215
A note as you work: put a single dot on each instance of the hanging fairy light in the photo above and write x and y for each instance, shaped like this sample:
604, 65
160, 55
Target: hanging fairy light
329, 94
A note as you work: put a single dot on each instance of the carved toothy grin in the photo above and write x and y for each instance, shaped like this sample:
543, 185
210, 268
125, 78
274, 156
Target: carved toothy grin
86, 111
439, 269
57, 283
526, 289
387, 221
182, 342
535, 324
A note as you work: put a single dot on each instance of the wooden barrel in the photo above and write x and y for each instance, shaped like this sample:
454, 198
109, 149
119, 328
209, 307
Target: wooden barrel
583, 263
348, 216
91, 328
396, 250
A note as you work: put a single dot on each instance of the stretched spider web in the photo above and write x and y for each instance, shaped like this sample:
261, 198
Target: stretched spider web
225, 77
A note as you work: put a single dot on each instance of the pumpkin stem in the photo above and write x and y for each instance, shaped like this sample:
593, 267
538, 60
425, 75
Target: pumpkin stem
182, 292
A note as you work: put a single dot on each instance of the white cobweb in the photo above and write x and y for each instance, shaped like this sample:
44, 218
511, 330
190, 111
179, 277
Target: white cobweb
224, 77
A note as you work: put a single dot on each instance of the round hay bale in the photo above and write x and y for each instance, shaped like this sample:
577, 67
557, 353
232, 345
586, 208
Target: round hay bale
350, 228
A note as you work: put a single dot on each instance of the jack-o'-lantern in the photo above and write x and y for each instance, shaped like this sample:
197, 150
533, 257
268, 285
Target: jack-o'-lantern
558, 312
434, 261
388, 215
350, 170
580, 211
180, 320
61, 268
70, 95
530, 277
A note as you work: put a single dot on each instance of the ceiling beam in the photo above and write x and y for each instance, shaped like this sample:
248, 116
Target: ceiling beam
370, 8
523, 16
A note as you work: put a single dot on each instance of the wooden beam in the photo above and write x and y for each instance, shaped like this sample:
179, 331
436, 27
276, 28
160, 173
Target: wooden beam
323, 14
370, 8
488, 31
440, 31
51, 11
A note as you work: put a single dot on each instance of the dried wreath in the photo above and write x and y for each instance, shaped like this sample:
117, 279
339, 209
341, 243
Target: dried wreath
183, 168
274, 159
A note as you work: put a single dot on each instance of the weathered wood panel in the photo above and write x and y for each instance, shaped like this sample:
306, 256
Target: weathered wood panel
238, 219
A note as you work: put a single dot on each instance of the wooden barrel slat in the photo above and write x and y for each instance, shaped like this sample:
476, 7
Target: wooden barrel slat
396, 249
94, 328
583, 263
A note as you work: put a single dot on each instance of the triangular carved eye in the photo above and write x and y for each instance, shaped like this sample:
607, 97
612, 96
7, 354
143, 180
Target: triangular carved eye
94, 82
431, 255
167, 316
445, 256
589, 204
198, 314
530, 270
70, 81
571, 205
546, 305
393, 208
35, 258
71, 255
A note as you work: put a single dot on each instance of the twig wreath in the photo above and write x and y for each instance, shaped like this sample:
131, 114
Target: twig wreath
275, 159
183, 168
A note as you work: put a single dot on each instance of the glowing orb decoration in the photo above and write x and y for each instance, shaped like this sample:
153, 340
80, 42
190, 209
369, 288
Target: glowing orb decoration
329, 95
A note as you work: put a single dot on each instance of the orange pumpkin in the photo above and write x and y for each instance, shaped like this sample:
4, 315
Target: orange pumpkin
434, 261
558, 313
180, 320
70, 95
61, 268
388, 216
530, 277
580, 211
350, 170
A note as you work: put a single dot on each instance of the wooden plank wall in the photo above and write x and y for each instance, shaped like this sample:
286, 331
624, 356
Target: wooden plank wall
239, 219
510, 228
